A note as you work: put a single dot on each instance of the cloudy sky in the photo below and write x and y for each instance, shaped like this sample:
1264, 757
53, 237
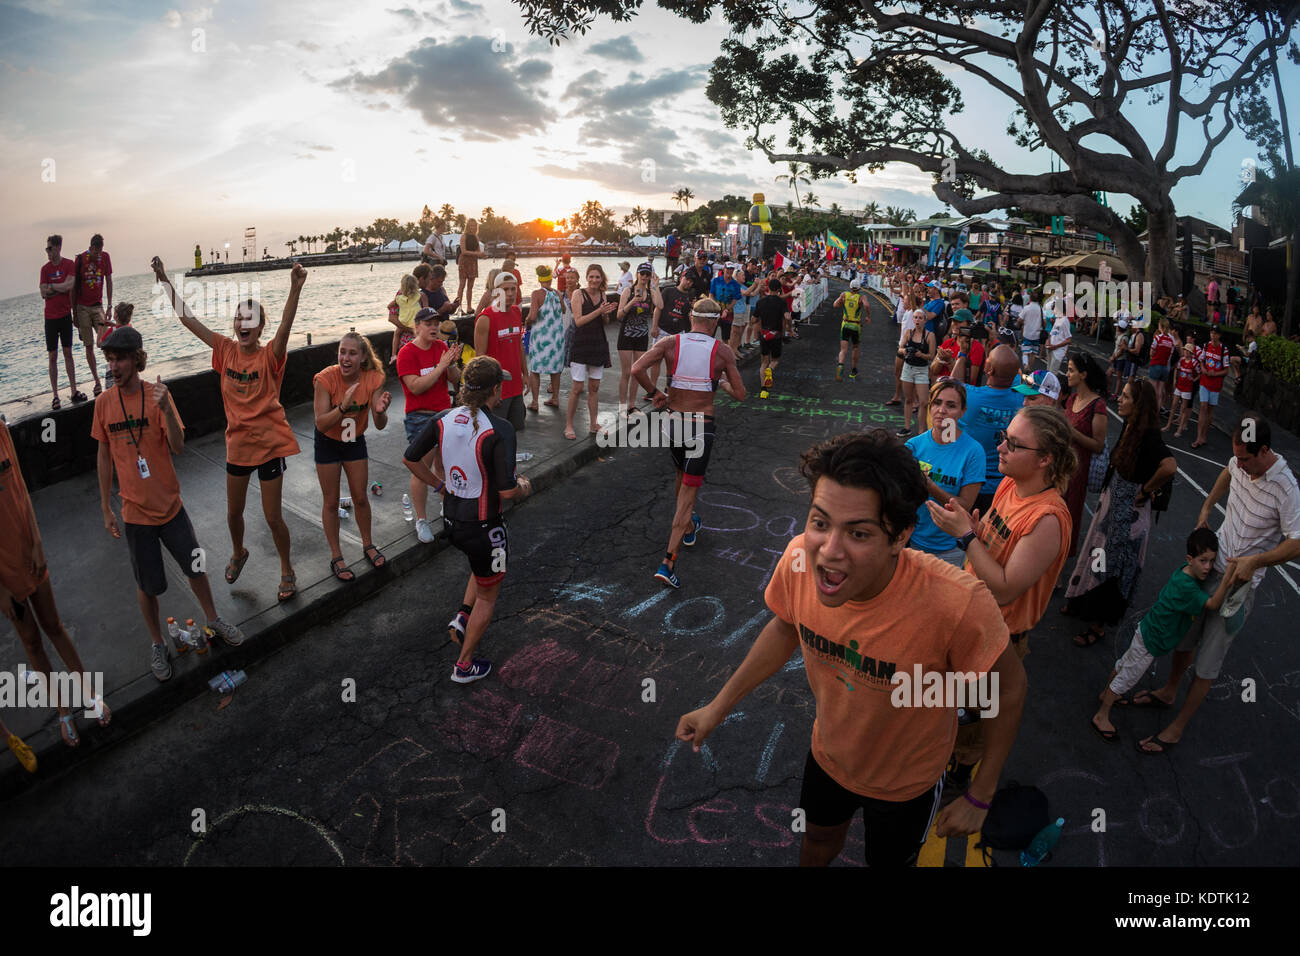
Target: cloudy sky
163, 124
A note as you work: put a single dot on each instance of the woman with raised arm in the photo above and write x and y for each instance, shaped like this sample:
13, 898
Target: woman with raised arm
589, 356
638, 304
258, 437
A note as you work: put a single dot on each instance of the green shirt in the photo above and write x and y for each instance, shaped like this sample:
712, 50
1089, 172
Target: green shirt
1180, 600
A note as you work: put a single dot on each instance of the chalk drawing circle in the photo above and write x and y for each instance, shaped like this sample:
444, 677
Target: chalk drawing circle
268, 809
791, 480
1156, 826
718, 615
1292, 800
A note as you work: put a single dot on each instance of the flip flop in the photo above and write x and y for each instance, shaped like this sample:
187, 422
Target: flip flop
374, 556
1165, 746
893, 402
69, 730
235, 567
105, 715
339, 567
288, 587
551, 404
1110, 736
56, 404
1151, 701
1088, 638
98, 390
570, 434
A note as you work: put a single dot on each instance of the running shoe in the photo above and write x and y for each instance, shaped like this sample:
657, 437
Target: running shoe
231, 635
689, 538
839, 373
667, 575
904, 433
763, 394
767, 377
158, 663
853, 374
423, 531
456, 627
477, 670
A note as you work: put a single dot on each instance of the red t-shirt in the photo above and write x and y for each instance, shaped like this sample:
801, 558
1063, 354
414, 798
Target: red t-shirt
52, 273
506, 345
1162, 346
413, 360
93, 272
1186, 375
1212, 358
975, 360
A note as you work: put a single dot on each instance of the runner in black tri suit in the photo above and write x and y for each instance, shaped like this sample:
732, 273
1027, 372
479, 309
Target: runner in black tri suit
476, 453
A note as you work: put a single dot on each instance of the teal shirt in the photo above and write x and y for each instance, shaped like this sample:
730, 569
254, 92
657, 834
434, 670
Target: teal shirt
1180, 600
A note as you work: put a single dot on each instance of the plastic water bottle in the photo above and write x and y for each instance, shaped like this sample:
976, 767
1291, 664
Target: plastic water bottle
407, 511
195, 636
174, 632
377, 489
523, 456
345, 502
227, 681
1042, 844
343, 512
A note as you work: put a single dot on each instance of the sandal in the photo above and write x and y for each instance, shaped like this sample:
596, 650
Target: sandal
68, 729
1110, 736
551, 404
56, 404
374, 556
235, 566
894, 401
1088, 638
339, 567
98, 390
78, 397
288, 587
1164, 745
570, 434
1150, 700
533, 407
97, 704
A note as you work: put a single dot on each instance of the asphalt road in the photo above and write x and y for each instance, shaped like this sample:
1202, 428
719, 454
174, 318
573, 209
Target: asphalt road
565, 754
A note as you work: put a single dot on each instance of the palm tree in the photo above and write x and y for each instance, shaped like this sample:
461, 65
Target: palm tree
628, 221
796, 177
872, 211
1278, 197
638, 215
683, 197
487, 215
461, 219
810, 199
447, 212
835, 210
292, 246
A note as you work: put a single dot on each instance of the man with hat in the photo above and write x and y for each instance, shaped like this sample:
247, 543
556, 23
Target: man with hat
626, 278
499, 333
1040, 388
138, 430
700, 274
425, 366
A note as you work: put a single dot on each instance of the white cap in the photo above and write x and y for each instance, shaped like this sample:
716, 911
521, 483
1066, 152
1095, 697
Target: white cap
855, 284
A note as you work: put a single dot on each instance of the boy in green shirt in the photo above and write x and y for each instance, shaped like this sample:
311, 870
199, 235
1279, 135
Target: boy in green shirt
1180, 601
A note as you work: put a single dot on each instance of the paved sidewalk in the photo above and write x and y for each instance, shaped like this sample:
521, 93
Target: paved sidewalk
96, 592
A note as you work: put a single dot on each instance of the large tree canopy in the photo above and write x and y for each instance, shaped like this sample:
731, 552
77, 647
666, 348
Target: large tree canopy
843, 85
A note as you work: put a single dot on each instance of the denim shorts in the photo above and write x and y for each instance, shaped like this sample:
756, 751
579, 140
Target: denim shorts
1208, 397
415, 421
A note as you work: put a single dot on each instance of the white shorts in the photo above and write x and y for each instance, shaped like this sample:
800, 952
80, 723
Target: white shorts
1185, 396
580, 373
1130, 668
916, 374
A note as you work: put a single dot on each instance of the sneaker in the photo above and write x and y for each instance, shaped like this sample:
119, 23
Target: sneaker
231, 635
904, 433
158, 663
853, 374
839, 373
456, 626
423, 531
667, 575
689, 538
477, 670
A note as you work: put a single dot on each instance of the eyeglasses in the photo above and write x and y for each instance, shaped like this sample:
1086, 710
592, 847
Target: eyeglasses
1011, 443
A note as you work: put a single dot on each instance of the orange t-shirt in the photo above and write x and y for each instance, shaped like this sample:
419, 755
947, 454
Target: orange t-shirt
930, 614
133, 431
16, 526
358, 409
256, 427
1010, 518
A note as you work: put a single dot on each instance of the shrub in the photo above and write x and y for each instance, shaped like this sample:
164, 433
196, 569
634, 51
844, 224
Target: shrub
1281, 357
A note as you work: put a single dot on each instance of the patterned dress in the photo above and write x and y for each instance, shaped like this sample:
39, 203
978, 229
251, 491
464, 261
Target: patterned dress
546, 344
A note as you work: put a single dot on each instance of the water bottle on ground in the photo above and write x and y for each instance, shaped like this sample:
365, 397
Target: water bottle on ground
523, 456
195, 636
174, 632
227, 681
377, 489
408, 512
345, 501
343, 512
1042, 844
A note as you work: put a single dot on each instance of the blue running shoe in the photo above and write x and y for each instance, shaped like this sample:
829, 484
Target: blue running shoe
478, 669
667, 575
689, 538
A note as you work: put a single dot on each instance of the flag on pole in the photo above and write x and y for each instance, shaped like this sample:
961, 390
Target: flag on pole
836, 242
778, 262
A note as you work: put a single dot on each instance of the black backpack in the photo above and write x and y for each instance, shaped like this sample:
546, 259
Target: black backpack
1015, 816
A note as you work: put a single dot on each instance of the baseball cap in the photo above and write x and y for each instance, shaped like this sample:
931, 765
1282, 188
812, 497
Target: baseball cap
855, 284
125, 339
427, 315
645, 267
503, 278
1041, 382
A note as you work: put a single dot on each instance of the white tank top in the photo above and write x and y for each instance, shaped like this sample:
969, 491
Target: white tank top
693, 366
462, 457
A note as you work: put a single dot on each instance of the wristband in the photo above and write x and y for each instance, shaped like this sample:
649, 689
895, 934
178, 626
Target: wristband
964, 541
975, 803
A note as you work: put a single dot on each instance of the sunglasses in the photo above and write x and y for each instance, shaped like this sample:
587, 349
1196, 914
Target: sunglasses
1012, 445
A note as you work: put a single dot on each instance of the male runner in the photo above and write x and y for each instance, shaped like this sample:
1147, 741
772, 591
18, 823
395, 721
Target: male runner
695, 364
855, 312
771, 314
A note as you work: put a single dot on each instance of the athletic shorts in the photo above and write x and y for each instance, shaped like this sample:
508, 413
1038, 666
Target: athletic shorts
514, 411
1158, 373
850, 333
414, 423
58, 331
916, 374
725, 328
1208, 397
331, 451
771, 347
895, 831
266, 471
485, 544
633, 343
85, 317
145, 543
1185, 396
691, 454
1130, 668
580, 373
1209, 636
1127, 368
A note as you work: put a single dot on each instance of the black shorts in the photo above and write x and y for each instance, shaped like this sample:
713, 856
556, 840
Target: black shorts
56, 331
514, 411
331, 451
485, 544
771, 347
691, 443
266, 471
725, 329
634, 343
850, 333
895, 832
145, 543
